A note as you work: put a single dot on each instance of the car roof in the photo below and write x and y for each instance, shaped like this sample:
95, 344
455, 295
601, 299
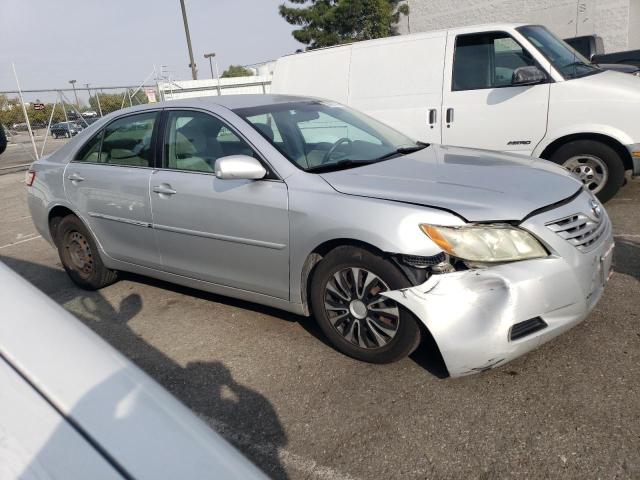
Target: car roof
228, 101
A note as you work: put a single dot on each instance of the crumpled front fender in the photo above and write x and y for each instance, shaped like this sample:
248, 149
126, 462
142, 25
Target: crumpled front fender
470, 313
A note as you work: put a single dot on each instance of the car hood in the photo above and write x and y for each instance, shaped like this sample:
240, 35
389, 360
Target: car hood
478, 185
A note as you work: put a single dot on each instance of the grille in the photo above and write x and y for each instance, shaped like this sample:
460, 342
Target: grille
522, 329
580, 230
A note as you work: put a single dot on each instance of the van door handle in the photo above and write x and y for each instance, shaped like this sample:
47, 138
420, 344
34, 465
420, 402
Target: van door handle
74, 177
164, 189
433, 116
449, 115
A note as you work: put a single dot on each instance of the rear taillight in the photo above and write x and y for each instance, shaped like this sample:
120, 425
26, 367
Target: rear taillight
31, 176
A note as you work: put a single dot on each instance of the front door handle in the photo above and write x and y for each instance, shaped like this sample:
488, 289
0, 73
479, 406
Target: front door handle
164, 189
449, 115
74, 177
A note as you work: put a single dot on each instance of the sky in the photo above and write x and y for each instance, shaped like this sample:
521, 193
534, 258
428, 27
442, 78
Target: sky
118, 42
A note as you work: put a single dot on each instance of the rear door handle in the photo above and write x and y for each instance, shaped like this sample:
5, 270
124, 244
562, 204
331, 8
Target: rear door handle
433, 117
74, 177
164, 189
449, 115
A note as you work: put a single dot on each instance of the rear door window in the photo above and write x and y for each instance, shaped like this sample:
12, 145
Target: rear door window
90, 152
127, 141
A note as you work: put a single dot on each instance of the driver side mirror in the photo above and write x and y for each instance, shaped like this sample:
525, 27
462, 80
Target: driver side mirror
239, 167
531, 75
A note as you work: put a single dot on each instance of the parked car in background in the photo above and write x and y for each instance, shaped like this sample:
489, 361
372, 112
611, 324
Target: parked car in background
65, 129
505, 87
3, 139
20, 127
592, 47
312, 207
73, 408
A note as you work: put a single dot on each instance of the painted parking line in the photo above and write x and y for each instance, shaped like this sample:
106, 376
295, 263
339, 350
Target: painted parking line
19, 242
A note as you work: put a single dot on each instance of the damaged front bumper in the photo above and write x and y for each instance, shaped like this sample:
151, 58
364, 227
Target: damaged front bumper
471, 313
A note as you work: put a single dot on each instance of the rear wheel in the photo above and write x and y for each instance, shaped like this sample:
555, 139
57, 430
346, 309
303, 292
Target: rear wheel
597, 165
79, 255
359, 322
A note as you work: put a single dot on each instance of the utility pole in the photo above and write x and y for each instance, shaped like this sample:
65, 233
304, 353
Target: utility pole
73, 84
210, 56
192, 63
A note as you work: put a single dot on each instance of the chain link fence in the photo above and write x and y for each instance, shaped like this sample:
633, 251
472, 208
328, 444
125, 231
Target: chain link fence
38, 122
46, 118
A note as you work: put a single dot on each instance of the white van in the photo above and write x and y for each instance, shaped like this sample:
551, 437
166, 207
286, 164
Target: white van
508, 87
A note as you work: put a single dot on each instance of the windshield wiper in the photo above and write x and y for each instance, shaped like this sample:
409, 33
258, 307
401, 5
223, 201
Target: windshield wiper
340, 165
404, 150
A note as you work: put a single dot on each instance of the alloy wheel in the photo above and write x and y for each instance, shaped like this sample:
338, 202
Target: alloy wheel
356, 309
591, 170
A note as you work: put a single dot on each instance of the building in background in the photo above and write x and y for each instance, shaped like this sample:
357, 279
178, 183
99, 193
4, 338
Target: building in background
616, 21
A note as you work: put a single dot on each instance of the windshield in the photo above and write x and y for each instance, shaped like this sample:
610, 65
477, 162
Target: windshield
323, 136
567, 61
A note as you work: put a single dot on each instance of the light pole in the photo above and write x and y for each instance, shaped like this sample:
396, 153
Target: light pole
210, 56
192, 63
73, 84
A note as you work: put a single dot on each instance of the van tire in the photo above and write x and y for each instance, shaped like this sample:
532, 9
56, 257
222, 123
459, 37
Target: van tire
80, 256
396, 346
584, 154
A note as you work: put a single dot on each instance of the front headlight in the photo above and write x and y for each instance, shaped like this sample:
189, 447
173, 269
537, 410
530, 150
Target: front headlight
486, 243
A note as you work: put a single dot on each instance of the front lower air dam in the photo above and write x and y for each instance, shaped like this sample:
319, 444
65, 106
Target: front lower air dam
471, 313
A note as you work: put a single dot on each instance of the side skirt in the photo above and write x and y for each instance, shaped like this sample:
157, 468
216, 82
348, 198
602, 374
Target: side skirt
240, 294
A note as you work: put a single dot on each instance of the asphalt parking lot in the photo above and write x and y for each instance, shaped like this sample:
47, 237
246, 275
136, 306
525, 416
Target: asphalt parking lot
20, 150
267, 381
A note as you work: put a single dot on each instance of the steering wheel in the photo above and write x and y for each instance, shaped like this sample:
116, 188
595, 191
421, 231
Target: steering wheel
331, 151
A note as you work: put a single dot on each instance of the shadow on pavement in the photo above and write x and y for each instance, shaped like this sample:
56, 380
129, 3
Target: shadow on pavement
627, 257
243, 416
427, 355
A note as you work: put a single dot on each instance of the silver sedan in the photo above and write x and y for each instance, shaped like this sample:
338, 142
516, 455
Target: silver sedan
314, 208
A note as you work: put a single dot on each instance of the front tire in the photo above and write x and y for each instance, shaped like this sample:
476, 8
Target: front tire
79, 255
348, 308
598, 166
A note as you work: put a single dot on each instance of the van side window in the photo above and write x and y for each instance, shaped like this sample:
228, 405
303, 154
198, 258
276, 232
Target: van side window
487, 60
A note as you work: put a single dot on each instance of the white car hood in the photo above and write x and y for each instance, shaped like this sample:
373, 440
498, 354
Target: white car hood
478, 185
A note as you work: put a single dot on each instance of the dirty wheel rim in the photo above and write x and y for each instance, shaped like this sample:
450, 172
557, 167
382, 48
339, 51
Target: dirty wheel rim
79, 253
591, 171
356, 309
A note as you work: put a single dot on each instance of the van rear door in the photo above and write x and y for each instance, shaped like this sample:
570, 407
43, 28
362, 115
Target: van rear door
481, 107
398, 80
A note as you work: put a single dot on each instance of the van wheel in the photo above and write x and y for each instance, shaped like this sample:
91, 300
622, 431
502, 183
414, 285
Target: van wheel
597, 165
359, 322
79, 255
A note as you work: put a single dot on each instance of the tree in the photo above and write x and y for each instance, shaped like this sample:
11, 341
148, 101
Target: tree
110, 102
330, 22
236, 71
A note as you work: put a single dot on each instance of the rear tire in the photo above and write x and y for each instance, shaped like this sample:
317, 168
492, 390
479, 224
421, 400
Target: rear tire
79, 255
598, 166
355, 318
